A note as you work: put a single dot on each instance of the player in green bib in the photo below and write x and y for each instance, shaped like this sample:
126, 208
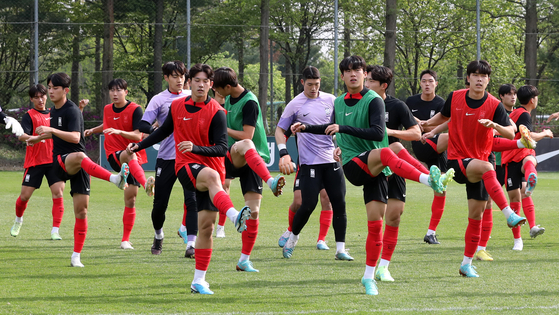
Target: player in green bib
360, 130
247, 155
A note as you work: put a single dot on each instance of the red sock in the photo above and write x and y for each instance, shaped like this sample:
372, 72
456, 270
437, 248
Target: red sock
529, 168
222, 219
406, 156
529, 211
57, 211
222, 202
515, 206
184, 215
203, 257
128, 219
437, 209
486, 227
291, 216
398, 166
257, 164
494, 189
138, 172
80, 231
473, 234
389, 241
249, 236
95, 169
325, 222
20, 207
502, 144
373, 245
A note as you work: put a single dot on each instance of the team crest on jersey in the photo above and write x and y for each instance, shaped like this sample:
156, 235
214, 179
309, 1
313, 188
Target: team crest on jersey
386, 117
328, 111
432, 112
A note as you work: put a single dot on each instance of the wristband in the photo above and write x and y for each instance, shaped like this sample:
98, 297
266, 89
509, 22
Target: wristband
283, 152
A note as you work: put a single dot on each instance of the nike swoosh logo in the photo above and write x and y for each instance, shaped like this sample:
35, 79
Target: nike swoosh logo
404, 195
468, 114
336, 168
347, 114
49, 118
87, 189
116, 118
305, 115
414, 110
259, 187
184, 118
546, 156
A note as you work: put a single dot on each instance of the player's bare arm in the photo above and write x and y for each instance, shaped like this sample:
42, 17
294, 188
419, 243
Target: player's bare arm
411, 134
89, 132
135, 135
246, 133
504, 131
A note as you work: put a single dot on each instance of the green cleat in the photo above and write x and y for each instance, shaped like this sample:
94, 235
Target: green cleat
447, 178
382, 274
15, 229
370, 286
435, 179
55, 236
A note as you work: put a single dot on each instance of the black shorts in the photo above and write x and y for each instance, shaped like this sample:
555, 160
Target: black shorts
114, 161
428, 154
33, 176
187, 176
474, 191
501, 172
250, 181
375, 188
514, 175
296, 184
80, 183
397, 187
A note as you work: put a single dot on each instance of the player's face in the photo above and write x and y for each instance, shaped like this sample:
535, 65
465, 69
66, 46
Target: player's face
311, 87
478, 82
509, 99
39, 101
200, 85
118, 95
428, 84
57, 93
374, 85
353, 79
175, 81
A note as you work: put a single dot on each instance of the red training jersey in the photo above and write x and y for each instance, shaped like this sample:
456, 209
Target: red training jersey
516, 155
40, 153
121, 121
195, 127
467, 138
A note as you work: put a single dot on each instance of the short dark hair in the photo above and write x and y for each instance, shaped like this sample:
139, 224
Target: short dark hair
174, 66
506, 89
526, 93
433, 73
466, 82
352, 62
37, 89
479, 66
118, 83
225, 76
59, 79
201, 67
310, 72
380, 73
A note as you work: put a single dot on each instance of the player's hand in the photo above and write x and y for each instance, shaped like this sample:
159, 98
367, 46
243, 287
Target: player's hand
88, 132
32, 140
112, 131
15, 125
286, 165
83, 104
185, 146
421, 123
132, 148
427, 135
487, 123
553, 116
338, 154
332, 129
297, 127
41, 130
548, 133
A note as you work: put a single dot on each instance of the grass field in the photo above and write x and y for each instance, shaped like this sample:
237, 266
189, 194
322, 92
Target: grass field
36, 277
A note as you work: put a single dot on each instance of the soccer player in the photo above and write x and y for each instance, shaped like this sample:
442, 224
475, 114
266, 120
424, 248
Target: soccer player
11, 123
200, 131
70, 161
474, 114
433, 150
174, 73
361, 135
38, 163
120, 126
398, 115
247, 155
317, 168
521, 163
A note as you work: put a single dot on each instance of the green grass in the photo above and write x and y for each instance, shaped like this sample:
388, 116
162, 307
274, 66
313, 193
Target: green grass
36, 277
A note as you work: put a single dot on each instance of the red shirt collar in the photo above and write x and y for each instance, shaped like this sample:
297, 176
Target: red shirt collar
189, 101
356, 96
177, 93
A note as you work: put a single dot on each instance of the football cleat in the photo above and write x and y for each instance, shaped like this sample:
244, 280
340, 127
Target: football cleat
531, 184
447, 177
518, 244
468, 271
55, 236
289, 247
242, 217
183, 235
126, 245
283, 238
536, 230
220, 231
201, 288
370, 286
382, 274
75, 262
150, 186
157, 246
15, 229
277, 185
435, 179
321, 245
124, 172
515, 220
431, 239
246, 265
190, 252
526, 137
483, 255
343, 256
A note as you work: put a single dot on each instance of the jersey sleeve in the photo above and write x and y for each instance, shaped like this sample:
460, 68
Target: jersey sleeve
217, 136
288, 116
27, 124
406, 118
446, 108
137, 118
526, 120
74, 121
250, 113
152, 110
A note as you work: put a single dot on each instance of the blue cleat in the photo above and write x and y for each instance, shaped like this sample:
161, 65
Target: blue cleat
277, 185
124, 172
183, 235
370, 286
200, 288
435, 179
246, 265
468, 271
343, 256
321, 245
515, 220
283, 238
242, 217
531, 184
288, 252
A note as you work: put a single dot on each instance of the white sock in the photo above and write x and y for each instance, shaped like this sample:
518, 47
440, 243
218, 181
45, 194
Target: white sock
159, 236
190, 243
115, 179
430, 232
199, 276
270, 182
19, 219
54, 230
467, 260
340, 247
384, 262
244, 257
182, 228
232, 214
74, 255
480, 248
519, 144
369, 272
507, 212
424, 179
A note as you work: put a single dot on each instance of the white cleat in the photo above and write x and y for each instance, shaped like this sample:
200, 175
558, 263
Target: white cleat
126, 245
220, 231
75, 262
536, 230
518, 244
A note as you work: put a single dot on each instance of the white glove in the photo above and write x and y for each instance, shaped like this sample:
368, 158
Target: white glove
14, 124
